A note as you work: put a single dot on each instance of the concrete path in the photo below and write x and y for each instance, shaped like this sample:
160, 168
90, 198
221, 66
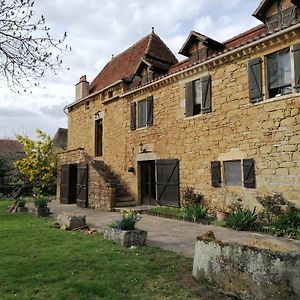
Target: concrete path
175, 235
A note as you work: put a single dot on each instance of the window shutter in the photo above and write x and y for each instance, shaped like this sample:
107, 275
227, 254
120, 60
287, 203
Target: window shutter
255, 80
297, 67
249, 173
133, 116
206, 94
189, 99
216, 174
150, 111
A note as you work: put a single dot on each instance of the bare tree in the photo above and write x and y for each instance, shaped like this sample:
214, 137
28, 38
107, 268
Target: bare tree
27, 49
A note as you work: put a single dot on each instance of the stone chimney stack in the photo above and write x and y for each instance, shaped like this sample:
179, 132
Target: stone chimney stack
82, 88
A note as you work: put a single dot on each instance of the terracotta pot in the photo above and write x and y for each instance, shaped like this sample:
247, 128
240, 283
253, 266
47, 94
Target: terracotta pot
221, 215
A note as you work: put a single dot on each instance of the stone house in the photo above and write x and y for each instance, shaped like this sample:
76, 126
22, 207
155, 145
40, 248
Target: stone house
224, 121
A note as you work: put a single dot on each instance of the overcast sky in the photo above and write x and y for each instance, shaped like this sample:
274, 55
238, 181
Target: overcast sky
99, 28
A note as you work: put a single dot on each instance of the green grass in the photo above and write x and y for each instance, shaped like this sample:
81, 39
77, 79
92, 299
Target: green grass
168, 212
41, 262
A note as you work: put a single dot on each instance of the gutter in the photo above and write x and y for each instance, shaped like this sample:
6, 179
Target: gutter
255, 43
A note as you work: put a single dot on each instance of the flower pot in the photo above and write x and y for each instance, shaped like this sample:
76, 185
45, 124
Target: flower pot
221, 215
22, 209
42, 211
126, 238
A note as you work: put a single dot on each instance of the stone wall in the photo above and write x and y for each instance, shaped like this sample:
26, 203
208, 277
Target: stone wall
267, 132
248, 272
101, 196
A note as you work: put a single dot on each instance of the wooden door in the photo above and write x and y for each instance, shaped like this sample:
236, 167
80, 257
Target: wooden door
82, 185
148, 195
68, 184
167, 182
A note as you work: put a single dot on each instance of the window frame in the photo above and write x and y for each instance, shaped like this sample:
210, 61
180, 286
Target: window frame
241, 175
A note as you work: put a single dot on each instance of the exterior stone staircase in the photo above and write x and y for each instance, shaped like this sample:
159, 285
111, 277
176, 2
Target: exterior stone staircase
123, 197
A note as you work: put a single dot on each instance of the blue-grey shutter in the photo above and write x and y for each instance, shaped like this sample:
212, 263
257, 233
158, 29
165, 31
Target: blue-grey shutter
216, 174
150, 111
133, 116
249, 173
255, 80
206, 94
297, 66
189, 102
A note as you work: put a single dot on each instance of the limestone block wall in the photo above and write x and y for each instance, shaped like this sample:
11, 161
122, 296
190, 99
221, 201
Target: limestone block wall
267, 132
101, 196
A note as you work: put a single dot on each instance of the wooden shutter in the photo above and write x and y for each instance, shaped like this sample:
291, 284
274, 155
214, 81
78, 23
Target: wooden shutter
206, 94
216, 174
133, 116
249, 173
167, 182
255, 80
297, 66
189, 102
82, 185
150, 111
64, 184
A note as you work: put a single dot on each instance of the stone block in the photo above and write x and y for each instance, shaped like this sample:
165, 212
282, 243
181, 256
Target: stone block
126, 238
248, 272
70, 221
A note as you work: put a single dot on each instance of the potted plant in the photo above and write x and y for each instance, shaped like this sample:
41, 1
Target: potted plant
20, 205
123, 231
41, 208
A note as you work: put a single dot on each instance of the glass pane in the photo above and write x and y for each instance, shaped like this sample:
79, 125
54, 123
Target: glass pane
142, 117
233, 172
197, 92
285, 68
272, 65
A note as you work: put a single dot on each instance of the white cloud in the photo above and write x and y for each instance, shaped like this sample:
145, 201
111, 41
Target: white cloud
96, 30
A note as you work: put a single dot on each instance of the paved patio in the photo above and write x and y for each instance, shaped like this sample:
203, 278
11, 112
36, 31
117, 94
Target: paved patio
175, 235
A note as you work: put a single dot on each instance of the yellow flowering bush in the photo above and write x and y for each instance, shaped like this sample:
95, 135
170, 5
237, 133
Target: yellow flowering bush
129, 220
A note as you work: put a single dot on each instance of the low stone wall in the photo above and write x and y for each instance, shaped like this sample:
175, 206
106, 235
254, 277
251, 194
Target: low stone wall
248, 272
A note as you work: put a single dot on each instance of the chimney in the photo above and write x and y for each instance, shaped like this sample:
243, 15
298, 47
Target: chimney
82, 88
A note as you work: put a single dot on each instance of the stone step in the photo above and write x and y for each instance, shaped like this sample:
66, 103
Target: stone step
125, 204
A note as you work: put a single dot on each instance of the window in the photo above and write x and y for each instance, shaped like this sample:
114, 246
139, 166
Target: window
232, 173
279, 73
280, 78
235, 173
99, 137
141, 113
198, 96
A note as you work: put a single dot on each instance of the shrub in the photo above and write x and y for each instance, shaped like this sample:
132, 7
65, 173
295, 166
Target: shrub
189, 196
271, 204
242, 219
21, 202
128, 221
195, 212
40, 203
288, 224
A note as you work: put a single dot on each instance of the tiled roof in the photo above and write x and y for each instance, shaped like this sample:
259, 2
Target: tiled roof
8, 147
244, 38
60, 139
125, 64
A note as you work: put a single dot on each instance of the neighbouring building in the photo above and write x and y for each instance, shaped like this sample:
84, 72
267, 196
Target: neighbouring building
60, 139
224, 121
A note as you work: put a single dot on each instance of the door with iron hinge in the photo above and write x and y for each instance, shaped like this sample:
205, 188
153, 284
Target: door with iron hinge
82, 185
167, 182
68, 182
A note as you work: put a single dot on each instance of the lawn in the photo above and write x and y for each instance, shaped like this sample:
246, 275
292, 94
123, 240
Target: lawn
41, 262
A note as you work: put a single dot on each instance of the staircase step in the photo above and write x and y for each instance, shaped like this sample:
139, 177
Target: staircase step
125, 204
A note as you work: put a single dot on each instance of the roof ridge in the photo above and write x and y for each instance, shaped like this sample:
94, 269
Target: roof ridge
149, 42
127, 49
